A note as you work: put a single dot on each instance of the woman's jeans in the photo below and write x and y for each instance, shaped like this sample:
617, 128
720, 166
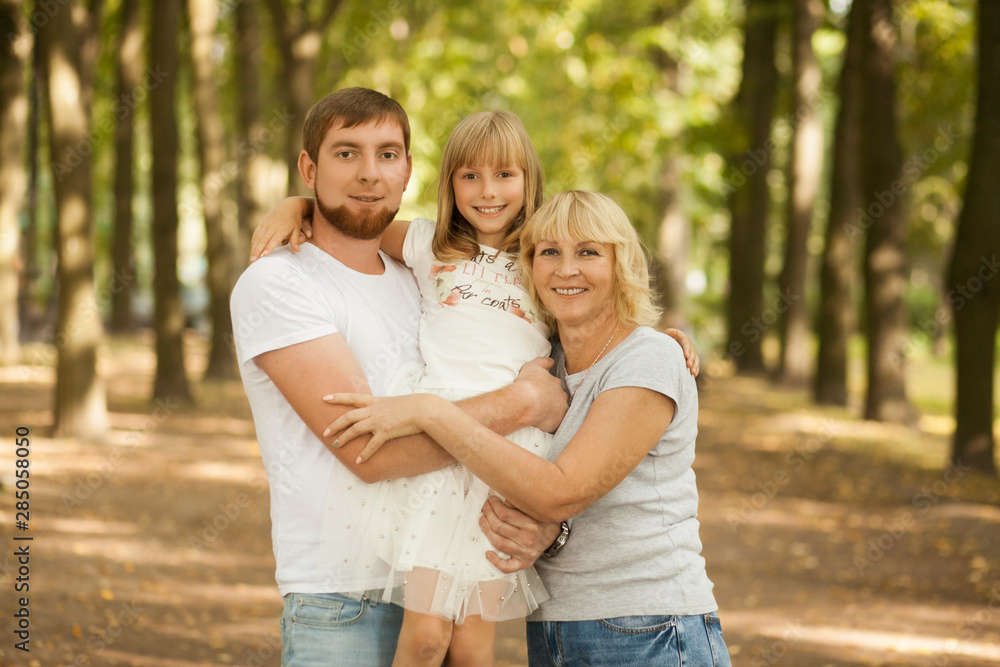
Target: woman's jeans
650, 641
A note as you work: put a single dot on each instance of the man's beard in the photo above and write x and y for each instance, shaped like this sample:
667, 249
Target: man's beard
363, 225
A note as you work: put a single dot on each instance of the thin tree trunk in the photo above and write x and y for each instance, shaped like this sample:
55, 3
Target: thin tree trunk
122, 261
67, 55
804, 171
749, 196
170, 382
28, 311
298, 38
674, 248
220, 231
252, 182
973, 286
836, 314
13, 126
885, 252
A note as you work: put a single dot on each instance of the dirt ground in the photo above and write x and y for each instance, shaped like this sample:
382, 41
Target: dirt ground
831, 541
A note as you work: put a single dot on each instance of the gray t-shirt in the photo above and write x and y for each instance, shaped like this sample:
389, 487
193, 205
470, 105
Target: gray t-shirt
636, 551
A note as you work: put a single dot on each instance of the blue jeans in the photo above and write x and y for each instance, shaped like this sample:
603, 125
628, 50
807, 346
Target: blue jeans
650, 641
333, 629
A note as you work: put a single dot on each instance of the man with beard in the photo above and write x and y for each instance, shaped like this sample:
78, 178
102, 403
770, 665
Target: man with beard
340, 316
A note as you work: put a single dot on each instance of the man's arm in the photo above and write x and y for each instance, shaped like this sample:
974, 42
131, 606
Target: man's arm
307, 371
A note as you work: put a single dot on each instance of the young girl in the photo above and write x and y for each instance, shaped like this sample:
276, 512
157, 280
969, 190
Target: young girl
478, 327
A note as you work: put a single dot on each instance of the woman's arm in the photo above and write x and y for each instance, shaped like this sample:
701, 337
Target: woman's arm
621, 428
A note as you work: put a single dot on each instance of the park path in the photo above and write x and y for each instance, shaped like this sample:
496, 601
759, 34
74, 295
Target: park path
831, 541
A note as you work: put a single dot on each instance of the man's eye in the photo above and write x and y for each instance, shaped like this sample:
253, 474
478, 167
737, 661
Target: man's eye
344, 154
388, 156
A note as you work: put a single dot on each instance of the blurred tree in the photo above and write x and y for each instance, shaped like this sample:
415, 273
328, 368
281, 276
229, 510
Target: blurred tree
884, 221
170, 382
30, 321
836, 311
13, 128
805, 168
68, 41
299, 36
220, 229
673, 257
251, 181
129, 70
749, 198
974, 291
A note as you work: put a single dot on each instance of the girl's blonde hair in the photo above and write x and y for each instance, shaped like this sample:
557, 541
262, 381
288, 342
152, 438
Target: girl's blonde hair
579, 215
487, 138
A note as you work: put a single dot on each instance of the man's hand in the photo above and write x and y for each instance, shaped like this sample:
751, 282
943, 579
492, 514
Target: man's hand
550, 401
516, 534
687, 345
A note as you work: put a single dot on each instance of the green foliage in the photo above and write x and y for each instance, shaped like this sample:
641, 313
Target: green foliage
609, 91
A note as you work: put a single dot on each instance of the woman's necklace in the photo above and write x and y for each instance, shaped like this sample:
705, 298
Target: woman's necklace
598, 358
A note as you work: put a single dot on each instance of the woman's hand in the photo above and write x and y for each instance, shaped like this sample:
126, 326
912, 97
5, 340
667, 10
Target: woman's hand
385, 417
690, 354
288, 222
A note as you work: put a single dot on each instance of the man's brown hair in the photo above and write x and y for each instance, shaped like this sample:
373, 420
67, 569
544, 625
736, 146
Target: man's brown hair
351, 107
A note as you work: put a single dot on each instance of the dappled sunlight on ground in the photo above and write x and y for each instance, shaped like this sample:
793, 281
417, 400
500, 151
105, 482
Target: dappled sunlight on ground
832, 541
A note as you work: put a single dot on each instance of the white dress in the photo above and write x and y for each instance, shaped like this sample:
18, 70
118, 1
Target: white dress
477, 329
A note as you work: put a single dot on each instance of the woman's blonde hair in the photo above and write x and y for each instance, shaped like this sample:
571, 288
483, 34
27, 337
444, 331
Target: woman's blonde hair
487, 138
579, 215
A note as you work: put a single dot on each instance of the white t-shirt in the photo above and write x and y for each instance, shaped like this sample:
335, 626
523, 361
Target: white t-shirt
479, 325
289, 298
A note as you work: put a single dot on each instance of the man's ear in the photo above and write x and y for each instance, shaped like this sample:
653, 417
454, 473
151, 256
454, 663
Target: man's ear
409, 169
307, 170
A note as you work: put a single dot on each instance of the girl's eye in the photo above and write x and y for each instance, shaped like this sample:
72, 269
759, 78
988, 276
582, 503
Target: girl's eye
469, 177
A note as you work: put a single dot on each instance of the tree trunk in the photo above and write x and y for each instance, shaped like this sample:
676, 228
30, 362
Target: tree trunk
252, 181
674, 248
885, 219
298, 38
973, 288
836, 314
13, 128
170, 383
122, 263
67, 61
28, 311
220, 231
749, 196
804, 171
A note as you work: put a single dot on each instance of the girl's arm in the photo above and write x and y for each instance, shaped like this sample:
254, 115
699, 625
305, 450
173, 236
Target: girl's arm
283, 224
621, 428
392, 239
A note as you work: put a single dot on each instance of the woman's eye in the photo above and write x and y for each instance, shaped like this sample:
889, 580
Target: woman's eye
548, 251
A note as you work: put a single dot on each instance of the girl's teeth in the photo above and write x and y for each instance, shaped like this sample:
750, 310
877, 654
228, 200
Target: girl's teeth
490, 211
